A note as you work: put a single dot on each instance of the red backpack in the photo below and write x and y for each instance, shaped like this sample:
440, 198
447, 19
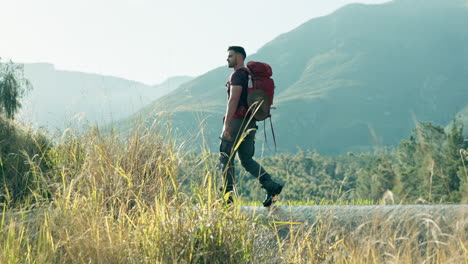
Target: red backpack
260, 91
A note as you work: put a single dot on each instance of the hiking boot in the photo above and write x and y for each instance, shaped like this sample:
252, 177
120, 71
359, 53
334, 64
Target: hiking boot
228, 195
273, 189
228, 198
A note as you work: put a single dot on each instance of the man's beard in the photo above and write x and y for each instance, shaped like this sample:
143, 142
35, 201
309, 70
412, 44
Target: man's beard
232, 64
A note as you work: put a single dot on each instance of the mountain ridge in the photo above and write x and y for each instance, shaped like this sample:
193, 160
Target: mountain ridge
350, 81
61, 97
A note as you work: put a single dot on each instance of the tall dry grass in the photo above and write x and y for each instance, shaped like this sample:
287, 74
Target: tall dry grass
395, 238
119, 199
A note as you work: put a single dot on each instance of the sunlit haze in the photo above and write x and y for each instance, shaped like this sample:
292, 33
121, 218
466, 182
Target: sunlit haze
143, 40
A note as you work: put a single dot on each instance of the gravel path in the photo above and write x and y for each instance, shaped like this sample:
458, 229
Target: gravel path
353, 215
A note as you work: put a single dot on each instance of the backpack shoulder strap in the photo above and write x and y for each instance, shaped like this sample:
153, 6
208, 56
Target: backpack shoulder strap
250, 76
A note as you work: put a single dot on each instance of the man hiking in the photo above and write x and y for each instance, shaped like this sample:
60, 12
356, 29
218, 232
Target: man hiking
236, 122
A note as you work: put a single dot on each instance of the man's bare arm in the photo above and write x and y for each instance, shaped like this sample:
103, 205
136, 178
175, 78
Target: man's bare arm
233, 102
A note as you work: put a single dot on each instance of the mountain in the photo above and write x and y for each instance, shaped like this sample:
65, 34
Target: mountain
58, 97
355, 79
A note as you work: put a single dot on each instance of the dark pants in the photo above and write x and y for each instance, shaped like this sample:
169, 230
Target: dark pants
240, 128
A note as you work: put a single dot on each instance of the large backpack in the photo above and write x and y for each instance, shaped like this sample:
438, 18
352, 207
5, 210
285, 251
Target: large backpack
261, 89
260, 92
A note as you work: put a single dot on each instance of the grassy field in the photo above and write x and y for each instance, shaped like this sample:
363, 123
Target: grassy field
108, 199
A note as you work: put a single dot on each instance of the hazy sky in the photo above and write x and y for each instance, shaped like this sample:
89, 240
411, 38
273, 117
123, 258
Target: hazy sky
147, 40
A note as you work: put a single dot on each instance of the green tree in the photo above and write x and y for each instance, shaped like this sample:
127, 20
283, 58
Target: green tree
377, 177
453, 161
463, 173
408, 167
431, 138
13, 86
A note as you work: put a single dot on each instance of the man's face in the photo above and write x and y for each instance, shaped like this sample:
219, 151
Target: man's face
232, 59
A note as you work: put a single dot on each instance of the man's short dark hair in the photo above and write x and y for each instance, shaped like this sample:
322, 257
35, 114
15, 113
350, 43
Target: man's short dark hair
238, 49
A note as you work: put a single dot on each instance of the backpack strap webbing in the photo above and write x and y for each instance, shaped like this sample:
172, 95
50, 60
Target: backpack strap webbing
272, 132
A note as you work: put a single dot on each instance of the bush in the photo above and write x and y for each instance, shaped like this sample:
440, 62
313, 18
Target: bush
23, 158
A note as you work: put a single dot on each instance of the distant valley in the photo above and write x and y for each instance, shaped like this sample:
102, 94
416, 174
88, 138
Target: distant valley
60, 99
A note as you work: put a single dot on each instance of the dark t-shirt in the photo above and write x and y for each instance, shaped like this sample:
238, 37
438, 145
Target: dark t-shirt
240, 78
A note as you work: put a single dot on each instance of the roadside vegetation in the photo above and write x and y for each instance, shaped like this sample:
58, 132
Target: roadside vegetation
105, 198
99, 197
428, 167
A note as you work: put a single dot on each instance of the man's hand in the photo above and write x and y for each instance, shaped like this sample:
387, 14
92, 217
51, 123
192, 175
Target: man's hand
226, 133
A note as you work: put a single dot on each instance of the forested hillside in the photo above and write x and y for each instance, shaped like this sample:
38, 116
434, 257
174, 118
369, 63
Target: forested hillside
355, 79
430, 166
